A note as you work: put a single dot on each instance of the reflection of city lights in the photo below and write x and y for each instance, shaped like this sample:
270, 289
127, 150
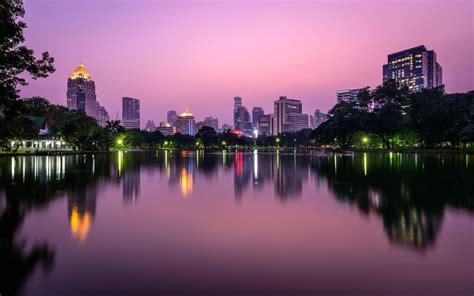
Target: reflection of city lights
255, 164
13, 167
365, 164
80, 224
239, 163
119, 162
186, 183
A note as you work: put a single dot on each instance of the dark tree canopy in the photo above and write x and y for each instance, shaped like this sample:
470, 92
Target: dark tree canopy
16, 59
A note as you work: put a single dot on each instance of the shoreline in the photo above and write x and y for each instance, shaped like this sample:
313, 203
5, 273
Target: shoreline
269, 149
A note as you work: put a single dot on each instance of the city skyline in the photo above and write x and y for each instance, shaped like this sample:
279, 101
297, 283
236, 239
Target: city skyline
226, 58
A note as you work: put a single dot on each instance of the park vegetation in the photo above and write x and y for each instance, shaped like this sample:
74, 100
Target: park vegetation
388, 116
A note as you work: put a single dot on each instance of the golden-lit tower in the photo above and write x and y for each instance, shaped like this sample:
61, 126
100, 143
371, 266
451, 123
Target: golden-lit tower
81, 92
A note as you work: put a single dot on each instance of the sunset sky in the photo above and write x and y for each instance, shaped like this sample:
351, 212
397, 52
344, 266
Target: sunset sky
200, 54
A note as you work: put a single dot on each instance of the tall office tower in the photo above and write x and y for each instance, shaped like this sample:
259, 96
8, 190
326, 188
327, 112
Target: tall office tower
265, 124
150, 126
171, 117
288, 116
319, 117
256, 113
81, 92
102, 115
241, 117
415, 67
185, 124
130, 113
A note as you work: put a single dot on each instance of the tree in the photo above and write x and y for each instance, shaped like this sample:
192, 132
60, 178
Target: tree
345, 119
15, 60
387, 119
207, 135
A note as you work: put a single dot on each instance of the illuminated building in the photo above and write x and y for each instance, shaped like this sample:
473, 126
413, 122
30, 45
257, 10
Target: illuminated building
130, 113
185, 124
288, 116
347, 95
415, 67
241, 117
81, 92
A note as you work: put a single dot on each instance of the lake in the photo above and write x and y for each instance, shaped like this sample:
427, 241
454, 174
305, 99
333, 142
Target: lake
244, 223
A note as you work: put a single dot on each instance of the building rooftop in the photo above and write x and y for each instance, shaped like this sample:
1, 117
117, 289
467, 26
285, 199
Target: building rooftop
81, 72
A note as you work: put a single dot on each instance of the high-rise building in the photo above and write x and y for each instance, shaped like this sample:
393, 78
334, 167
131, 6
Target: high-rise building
102, 115
130, 113
256, 113
241, 117
415, 67
264, 124
171, 117
150, 126
348, 95
185, 124
288, 116
319, 117
81, 92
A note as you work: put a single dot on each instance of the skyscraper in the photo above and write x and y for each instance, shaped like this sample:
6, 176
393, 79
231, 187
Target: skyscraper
256, 113
171, 117
81, 92
288, 116
241, 117
130, 113
265, 124
185, 124
415, 67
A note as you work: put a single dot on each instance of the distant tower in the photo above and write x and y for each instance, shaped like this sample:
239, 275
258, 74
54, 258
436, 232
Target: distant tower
130, 113
256, 113
171, 117
81, 92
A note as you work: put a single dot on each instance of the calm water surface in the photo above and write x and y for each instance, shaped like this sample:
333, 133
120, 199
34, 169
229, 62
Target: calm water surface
196, 223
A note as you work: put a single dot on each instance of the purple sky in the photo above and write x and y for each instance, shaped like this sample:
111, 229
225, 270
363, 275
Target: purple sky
200, 54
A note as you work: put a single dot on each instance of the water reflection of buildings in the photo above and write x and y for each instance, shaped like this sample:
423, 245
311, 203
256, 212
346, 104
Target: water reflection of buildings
81, 205
407, 191
128, 170
286, 171
413, 227
179, 167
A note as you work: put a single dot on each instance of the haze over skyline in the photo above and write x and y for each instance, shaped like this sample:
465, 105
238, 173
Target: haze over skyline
195, 54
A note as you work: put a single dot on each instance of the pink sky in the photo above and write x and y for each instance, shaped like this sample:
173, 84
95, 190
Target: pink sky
200, 54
